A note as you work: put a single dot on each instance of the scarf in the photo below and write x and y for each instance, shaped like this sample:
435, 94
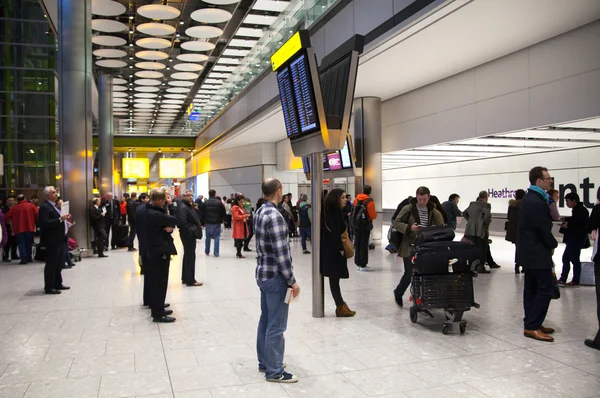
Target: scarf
539, 190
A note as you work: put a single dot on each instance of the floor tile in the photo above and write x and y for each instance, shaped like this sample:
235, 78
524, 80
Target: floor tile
24, 372
85, 387
13, 390
104, 365
444, 372
203, 377
568, 381
453, 391
265, 390
327, 386
77, 350
508, 362
385, 380
326, 363
135, 384
514, 386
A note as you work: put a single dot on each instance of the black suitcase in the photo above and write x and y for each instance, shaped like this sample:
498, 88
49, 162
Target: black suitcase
434, 258
435, 233
121, 237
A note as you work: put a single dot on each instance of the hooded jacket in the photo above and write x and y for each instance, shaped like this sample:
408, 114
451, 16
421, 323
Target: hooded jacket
408, 216
371, 212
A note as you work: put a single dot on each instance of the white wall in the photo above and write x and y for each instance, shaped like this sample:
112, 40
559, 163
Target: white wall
511, 173
246, 180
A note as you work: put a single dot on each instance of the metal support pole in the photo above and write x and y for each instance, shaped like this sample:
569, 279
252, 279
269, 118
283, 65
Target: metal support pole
105, 134
318, 294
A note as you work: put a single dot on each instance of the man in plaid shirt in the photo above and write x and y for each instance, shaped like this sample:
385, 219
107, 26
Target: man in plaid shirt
274, 275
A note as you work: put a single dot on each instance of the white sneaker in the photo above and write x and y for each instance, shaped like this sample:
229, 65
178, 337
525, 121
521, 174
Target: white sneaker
366, 269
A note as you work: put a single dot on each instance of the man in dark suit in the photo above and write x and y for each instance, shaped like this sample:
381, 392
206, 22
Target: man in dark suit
111, 219
140, 217
53, 229
158, 247
190, 230
97, 222
132, 205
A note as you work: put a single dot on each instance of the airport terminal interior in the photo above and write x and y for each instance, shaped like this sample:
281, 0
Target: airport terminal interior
108, 103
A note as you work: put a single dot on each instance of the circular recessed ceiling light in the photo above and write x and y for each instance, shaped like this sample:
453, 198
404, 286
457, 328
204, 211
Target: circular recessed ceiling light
147, 89
120, 106
188, 67
111, 63
120, 113
173, 101
158, 11
197, 45
109, 53
117, 100
119, 88
145, 101
149, 74
152, 55
146, 106
153, 43
185, 76
108, 25
176, 96
169, 106
120, 94
107, 8
211, 15
145, 95
165, 110
156, 29
118, 80
221, 2
150, 65
111, 41
148, 82
203, 32
192, 57
181, 83
178, 90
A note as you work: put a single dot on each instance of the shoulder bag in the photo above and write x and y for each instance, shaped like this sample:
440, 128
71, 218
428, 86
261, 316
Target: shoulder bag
346, 242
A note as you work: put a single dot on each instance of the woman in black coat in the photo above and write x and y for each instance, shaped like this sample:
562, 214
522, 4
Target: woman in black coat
575, 230
333, 260
513, 222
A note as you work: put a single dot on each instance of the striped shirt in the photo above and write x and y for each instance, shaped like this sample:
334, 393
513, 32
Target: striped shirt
272, 247
423, 216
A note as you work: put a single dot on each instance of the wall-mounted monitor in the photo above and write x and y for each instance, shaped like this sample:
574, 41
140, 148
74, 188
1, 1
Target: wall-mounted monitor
335, 163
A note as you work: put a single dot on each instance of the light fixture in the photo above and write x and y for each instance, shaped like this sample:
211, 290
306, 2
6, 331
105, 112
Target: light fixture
130, 58
31, 151
181, 22
131, 17
131, 31
130, 66
170, 59
130, 44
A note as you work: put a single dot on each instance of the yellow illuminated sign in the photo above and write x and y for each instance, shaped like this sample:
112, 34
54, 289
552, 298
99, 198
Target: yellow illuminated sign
190, 108
136, 168
289, 48
171, 168
132, 188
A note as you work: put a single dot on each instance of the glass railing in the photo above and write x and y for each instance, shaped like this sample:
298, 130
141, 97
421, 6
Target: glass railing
300, 14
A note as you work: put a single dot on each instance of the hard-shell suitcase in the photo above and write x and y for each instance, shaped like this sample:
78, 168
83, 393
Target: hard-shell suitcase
435, 233
435, 258
587, 274
121, 235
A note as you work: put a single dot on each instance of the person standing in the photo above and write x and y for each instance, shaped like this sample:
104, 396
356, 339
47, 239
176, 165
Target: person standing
575, 231
97, 223
11, 245
513, 222
213, 216
53, 229
111, 219
4, 237
286, 211
190, 230
140, 219
23, 217
249, 228
553, 193
333, 262
305, 221
479, 218
593, 228
274, 276
535, 247
123, 210
419, 213
239, 217
451, 208
132, 204
159, 248
362, 218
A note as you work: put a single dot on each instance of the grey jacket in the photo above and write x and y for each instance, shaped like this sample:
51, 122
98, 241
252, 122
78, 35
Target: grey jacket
479, 218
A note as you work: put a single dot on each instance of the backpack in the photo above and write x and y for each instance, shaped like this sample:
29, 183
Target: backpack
359, 218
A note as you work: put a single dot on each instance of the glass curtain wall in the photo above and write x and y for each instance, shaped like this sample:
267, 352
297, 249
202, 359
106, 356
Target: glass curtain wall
28, 106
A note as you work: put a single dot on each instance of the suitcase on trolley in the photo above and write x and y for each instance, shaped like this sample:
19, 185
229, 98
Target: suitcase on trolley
436, 233
444, 257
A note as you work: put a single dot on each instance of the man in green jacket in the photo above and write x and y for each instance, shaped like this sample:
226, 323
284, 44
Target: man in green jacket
411, 220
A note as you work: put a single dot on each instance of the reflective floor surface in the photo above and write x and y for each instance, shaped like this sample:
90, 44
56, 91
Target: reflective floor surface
96, 340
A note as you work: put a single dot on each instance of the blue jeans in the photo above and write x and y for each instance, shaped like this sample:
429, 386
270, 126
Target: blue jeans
304, 233
25, 243
270, 343
213, 231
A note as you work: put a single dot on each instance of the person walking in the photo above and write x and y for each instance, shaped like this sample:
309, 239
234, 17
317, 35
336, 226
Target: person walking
593, 228
479, 218
409, 222
574, 229
363, 214
274, 277
305, 221
333, 262
513, 222
159, 249
535, 247
213, 216
23, 217
53, 230
239, 217
97, 223
190, 230
451, 208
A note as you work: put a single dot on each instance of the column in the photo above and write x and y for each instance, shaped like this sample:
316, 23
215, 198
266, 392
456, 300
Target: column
367, 131
75, 110
318, 292
105, 133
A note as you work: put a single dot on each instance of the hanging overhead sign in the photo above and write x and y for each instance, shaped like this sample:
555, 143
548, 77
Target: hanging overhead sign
136, 168
171, 168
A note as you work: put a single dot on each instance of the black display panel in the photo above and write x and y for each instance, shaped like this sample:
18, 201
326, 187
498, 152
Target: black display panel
334, 86
288, 107
304, 95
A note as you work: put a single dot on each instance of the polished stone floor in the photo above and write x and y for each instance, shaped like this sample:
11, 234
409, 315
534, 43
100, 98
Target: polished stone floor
97, 341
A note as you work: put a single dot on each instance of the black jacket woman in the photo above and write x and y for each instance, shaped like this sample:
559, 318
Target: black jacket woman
593, 227
513, 222
333, 259
575, 231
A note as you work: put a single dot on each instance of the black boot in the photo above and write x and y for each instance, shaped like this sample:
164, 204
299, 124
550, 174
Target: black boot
517, 269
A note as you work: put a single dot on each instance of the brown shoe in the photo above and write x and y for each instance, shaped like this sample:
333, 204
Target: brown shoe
342, 311
538, 335
546, 330
194, 284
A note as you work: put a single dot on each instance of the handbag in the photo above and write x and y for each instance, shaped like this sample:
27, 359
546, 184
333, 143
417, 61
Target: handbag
348, 245
196, 231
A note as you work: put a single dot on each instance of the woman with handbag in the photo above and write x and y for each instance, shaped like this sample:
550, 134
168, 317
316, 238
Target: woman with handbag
336, 248
239, 216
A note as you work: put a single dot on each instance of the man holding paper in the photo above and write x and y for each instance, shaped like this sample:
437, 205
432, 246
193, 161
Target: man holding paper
274, 276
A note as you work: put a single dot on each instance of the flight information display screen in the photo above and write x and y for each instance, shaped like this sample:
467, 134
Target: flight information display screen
288, 107
338, 160
304, 95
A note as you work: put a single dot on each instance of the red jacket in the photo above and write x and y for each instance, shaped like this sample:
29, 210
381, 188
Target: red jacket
23, 215
370, 206
239, 217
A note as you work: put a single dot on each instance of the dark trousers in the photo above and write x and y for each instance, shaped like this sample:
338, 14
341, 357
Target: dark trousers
305, 234
250, 235
238, 243
572, 254
405, 280
361, 247
108, 225
55, 261
490, 259
537, 294
188, 270
597, 275
157, 272
146, 292
10, 248
336, 292
132, 233
25, 241
483, 246
100, 241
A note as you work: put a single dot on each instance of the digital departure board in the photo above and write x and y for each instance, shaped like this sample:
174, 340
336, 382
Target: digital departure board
288, 107
304, 95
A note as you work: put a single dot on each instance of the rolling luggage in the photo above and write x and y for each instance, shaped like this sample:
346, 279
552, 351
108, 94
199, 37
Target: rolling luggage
435, 233
436, 258
587, 274
121, 237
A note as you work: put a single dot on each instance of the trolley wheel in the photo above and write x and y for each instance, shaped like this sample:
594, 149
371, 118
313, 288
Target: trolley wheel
462, 328
445, 329
413, 315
